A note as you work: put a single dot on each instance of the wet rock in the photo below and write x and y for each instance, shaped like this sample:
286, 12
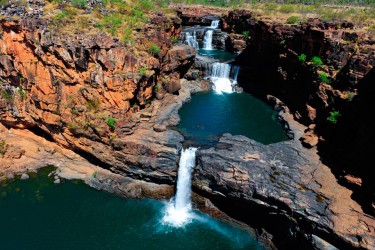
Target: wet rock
318, 243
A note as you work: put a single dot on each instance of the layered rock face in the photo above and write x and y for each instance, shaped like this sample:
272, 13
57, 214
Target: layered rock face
94, 96
283, 60
284, 189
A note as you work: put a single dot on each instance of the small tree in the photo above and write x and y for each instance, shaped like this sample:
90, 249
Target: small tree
317, 61
142, 71
154, 49
324, 78
80, 4
292, 20
302, 58
246, 34
333, 117
111, 123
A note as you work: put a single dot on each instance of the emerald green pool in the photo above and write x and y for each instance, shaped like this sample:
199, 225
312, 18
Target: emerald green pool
36, 214
208, 115
221, 55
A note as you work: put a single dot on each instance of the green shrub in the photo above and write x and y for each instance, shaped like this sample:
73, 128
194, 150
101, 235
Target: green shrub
246, 34
174, 40
93, 104
111, 123
142, 71
60, 16
22, 93
349, 95
371, 29
154, 49
7, 94
287, 8
146, 5
128, 35
80, 4
74, 111
138, 13
271, 6
157, 87
111, 23
292, 20
302, 58
3, 147
317, 61
324, 78
333, 117
71, 127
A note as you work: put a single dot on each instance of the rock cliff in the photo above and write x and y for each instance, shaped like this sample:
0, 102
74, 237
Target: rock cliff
90, 94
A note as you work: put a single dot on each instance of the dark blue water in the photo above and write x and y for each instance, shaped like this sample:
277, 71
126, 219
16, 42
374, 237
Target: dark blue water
221, 55
36, 214
208, 115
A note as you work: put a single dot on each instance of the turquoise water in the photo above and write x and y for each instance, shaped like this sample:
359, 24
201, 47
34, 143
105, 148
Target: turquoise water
208, 115
221, 55
37, 214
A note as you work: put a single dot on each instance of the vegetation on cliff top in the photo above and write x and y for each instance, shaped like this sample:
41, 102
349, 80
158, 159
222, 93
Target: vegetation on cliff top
360, 12
119, 18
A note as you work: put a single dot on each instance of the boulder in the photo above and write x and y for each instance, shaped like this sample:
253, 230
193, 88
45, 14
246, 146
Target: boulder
24, 176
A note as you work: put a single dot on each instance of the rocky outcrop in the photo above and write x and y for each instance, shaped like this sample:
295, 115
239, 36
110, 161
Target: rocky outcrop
350, 142
96, 97
284, 189
279, 60
198, 15
27, 152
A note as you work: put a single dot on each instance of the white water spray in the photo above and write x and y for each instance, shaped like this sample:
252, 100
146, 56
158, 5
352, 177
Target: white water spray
220, 74
178, 211
191, 40
207, 40
215, 24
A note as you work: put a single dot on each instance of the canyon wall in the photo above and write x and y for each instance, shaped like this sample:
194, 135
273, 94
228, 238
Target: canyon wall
279, 60
95, 96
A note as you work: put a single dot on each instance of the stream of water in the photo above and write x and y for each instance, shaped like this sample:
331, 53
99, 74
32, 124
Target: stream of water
178, 212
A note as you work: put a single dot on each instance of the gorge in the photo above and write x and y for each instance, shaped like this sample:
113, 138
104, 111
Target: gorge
122, 117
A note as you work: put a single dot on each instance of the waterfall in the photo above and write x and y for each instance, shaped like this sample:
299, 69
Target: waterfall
178, 211
191, 40
236, 72
220, 74
215, 24
207, 40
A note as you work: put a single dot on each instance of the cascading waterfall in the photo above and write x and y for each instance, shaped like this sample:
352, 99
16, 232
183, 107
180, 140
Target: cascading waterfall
215, 24
178, 211
207, 40
236, 72
191, 40
220, 74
